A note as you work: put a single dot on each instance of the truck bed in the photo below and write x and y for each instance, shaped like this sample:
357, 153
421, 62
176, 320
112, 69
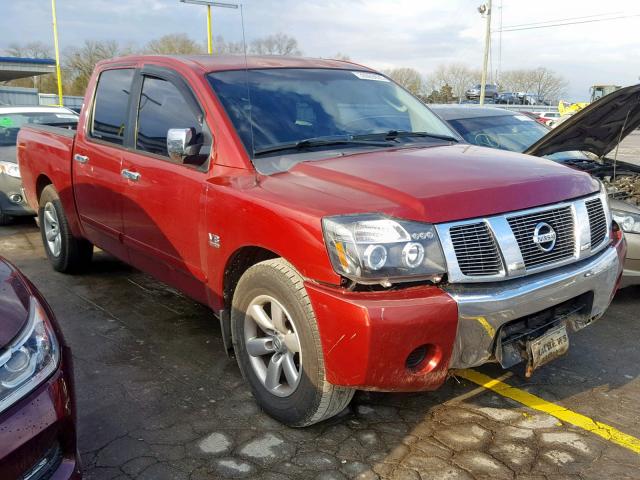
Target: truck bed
44, 155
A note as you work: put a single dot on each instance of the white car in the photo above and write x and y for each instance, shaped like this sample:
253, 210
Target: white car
12, 201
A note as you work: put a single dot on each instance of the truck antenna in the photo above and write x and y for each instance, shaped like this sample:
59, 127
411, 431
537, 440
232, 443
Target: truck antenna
246, 70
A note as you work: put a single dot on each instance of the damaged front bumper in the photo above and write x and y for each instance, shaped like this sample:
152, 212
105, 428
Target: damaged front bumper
577, 294
409, 339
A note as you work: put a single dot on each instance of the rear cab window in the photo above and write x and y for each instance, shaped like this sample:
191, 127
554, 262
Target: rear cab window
111, 105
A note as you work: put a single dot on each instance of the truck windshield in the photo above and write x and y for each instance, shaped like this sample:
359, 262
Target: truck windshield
10, 123
313, 107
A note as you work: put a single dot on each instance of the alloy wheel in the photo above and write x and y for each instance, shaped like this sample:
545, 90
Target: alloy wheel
52, 229
273, 345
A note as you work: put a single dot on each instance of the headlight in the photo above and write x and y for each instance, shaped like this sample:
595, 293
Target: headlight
629, 222
29, 360
372, 248
11, 169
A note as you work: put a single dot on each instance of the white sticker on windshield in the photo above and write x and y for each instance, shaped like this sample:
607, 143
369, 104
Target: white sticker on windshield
66, 115
370, 76
524, 118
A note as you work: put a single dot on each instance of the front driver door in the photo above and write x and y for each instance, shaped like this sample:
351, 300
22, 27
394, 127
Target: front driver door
163, 200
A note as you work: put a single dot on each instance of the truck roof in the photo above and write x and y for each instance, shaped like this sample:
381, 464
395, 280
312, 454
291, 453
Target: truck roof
216, 63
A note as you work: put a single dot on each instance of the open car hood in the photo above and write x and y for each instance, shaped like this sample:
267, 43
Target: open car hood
597, 128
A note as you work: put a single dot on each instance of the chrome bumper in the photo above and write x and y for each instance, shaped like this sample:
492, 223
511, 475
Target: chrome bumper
484, 308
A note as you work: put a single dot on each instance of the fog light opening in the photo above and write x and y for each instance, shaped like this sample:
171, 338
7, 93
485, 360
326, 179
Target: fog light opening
424, 358
15, 198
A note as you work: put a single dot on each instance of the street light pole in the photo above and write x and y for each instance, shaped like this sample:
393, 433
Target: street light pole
487, 44
209, 39
57, 49
210, 4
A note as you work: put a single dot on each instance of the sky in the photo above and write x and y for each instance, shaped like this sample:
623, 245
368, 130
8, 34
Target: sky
421, 34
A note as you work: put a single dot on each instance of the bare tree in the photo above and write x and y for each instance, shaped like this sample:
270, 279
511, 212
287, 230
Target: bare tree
457, 76
80, 62
277, 44
29, 50
409, 78
342, 56
222, 47
174, 44
541, 81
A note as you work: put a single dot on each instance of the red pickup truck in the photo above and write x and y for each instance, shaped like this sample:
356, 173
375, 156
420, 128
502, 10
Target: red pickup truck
340, 233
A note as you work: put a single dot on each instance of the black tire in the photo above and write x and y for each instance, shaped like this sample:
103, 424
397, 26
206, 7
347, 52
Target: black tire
5, 219
75, 253
314, 398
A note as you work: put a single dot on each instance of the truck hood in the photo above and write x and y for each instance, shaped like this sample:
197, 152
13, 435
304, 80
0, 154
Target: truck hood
14, 303
597, 128
434, 184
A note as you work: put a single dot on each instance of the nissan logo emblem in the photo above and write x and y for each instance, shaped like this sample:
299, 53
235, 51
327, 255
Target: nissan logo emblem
544, 236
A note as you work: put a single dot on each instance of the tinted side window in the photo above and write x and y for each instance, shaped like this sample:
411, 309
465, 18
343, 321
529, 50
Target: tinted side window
110, 109
162, 107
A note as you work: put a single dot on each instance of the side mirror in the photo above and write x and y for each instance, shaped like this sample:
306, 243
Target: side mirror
181, 143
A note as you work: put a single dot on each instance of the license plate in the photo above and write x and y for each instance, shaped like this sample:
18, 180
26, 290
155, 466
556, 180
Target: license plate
547, 347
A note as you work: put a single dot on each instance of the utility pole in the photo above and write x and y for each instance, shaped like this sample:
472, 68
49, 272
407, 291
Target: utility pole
57, 49
209, 4
486, 9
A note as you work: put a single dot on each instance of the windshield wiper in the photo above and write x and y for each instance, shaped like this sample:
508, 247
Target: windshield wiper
394, 134
321, 142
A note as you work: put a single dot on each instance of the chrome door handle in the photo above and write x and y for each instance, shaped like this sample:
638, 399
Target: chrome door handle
80, 158
129, 175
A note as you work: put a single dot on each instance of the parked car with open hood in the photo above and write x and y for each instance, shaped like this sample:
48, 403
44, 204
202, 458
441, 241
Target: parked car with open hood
596, 129
12, 201
37, 409
343, 236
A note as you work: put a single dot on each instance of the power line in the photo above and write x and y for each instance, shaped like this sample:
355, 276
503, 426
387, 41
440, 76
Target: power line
562, 20
567, 23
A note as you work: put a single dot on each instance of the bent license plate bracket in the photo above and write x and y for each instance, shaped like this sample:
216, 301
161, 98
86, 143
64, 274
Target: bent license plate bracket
549, 346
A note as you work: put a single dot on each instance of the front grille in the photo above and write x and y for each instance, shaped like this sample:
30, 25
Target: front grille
476, 250
597, 222
561, 220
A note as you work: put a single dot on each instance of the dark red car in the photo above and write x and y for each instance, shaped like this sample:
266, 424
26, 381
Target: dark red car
37, 412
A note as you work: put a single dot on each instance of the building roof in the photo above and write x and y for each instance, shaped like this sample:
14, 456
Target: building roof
12, 68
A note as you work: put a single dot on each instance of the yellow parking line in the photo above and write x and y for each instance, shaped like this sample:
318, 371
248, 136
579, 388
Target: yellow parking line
525, 398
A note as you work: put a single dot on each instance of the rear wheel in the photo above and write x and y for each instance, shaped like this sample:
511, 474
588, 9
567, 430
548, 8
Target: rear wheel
277, 345
66, 253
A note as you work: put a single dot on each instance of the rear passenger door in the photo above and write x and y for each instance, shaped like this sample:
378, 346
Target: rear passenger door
164, 204
97, 161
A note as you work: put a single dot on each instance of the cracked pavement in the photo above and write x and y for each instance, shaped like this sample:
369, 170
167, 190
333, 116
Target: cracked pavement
158, 399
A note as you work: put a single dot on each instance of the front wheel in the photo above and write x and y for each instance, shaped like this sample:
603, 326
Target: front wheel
66, 253
277, 345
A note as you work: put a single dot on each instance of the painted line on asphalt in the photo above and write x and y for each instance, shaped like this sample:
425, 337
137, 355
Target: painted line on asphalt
472, 393
561, 413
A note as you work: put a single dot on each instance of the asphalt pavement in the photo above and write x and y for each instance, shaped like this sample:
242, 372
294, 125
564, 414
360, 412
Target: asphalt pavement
158, 398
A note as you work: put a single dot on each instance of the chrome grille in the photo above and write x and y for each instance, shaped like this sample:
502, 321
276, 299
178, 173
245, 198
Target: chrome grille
597, 222
561, 220
502, 246
476, 250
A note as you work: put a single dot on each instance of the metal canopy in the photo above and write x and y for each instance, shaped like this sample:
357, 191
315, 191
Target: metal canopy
12, 68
